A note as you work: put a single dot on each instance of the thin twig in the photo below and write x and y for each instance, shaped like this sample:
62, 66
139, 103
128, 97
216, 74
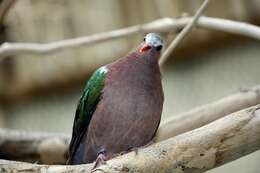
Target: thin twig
160, 25
4, 8
183, 33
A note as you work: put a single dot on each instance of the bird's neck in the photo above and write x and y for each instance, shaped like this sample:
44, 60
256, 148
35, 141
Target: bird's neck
137, 65
149, 59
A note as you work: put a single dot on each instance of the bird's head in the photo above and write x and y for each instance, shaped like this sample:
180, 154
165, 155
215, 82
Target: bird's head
152, 42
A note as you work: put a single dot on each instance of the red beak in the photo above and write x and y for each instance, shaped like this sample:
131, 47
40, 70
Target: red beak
145, 47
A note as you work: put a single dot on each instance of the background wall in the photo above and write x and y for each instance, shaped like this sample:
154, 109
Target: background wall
40, 93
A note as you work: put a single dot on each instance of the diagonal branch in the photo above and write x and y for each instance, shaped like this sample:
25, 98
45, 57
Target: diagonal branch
160, 25
4, 8
202, 149
183, 33
205, 114
205, 148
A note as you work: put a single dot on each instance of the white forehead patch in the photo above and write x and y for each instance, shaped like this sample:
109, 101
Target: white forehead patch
153, 39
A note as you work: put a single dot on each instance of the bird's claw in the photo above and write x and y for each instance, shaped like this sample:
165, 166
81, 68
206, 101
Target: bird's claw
101, 159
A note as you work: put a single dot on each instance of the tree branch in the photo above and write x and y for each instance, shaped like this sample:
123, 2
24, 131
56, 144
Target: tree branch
183, 33
13, 166
4, 8
51, 148
210, 146
160, 25
33, 147
205, 114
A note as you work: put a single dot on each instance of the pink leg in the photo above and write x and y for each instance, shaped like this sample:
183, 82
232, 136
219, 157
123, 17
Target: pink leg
101, 159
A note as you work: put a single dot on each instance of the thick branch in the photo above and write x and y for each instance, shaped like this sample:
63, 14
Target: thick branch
161, 25
199, 150
210, 146
13, 166
33, 147
205, 114
51, 148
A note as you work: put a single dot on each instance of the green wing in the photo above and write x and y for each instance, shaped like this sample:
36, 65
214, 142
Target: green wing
85, 109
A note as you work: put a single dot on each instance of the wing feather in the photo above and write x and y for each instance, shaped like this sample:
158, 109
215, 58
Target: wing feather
85, 109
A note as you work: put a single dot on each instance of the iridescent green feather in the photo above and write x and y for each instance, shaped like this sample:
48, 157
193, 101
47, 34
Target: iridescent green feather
91, 93
86, 107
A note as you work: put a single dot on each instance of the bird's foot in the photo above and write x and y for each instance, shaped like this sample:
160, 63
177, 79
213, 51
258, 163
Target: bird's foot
101, 159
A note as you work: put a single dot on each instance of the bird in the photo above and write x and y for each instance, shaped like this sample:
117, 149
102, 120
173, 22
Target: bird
121, 106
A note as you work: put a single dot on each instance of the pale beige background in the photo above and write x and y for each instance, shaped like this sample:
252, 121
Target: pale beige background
196, 78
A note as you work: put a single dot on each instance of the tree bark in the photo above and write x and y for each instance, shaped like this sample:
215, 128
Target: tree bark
202, 149
52, 148
22, 167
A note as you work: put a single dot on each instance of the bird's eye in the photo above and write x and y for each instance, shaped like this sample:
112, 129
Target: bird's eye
158, 48
144, 39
